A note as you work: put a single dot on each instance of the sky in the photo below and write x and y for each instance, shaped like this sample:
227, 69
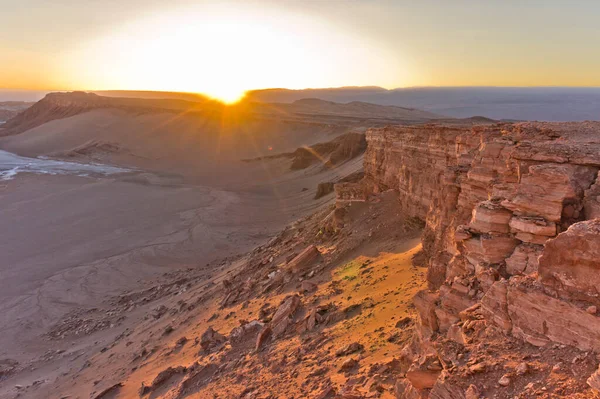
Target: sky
223, 48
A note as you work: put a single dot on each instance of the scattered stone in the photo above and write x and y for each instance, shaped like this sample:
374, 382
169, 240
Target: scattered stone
349, 349
326, 393
304, 259
472, 392
594, 380
477, 368
404, 322
211, 339
522, 368
110, 390
281, 318
556, 368
504, 380
348, 365
245, 332
262, 337
307, 286
591, 309
455, 334
161, 378
181, 341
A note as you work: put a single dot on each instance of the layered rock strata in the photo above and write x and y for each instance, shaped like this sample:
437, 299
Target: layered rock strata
511, 227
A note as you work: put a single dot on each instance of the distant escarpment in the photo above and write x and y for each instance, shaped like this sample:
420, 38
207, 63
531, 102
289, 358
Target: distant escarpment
64, 105
512, 215
53, 106
306, 111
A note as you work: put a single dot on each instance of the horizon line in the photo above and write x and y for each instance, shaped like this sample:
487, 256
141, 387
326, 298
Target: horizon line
5, 89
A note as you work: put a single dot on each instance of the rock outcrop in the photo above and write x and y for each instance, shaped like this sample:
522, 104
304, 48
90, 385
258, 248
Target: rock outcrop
510, 230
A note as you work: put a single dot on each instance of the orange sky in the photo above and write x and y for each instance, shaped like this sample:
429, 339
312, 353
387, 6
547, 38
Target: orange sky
224, 49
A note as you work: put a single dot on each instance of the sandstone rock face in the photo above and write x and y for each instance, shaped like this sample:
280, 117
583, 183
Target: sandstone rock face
350, 192
489, 217
512, 230
544, 190
494, 305
591, 201
524, 259
570, 263
538, 319
425, 302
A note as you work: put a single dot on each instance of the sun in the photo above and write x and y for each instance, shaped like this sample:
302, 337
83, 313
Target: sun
223, 52
227, 96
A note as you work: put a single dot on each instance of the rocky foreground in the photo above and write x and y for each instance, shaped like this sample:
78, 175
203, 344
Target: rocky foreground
340, 304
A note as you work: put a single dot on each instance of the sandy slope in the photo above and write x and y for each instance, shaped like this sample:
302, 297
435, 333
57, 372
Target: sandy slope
69, 243
365, 279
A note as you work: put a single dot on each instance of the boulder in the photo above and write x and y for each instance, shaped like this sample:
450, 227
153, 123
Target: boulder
349, 349
211, 339
282, 317
422, 378
262, 337
348, 365
472, 392
304, 259
246, 332
570, 264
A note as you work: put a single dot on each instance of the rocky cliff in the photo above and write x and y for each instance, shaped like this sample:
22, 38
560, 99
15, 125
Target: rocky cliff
511, 233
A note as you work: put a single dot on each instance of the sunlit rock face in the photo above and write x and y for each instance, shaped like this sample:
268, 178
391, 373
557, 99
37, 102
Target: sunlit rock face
512, 226
488, 194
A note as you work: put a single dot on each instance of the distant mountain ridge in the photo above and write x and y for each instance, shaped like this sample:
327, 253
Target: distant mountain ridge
500, 103
64, 105
514, 103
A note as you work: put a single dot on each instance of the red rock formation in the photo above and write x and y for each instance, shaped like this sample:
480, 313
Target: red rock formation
500, 203
570, 263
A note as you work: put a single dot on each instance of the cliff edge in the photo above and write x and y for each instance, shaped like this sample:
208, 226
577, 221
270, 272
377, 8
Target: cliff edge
512, 236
